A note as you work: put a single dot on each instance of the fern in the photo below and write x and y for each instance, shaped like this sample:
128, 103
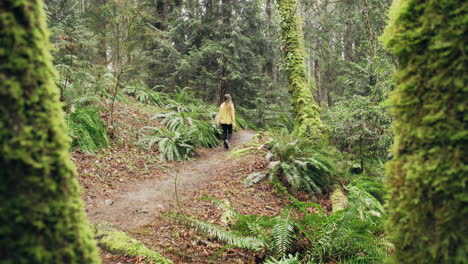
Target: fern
254, 178
205, 134
143, 94
301, 163
202, 132
340, 237
290, 259
283, 233
285, 121
185, 96
86, 130
227, 236
173, 146
176, 121
352, 234
370, 185
243, 123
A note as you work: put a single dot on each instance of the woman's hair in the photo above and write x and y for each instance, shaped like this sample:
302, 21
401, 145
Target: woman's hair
227, 98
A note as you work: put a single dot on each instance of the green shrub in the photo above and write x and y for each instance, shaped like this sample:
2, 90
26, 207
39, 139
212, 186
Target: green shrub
86, 130
143, 94
173, 146
196, 126
360, 126
243, 123
204, 133
301, 163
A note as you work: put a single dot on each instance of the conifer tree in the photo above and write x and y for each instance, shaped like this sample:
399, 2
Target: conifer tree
306, 110
428, 190
41, 215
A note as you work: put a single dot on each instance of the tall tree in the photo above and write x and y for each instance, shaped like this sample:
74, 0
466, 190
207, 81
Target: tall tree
306, 110
428, 189
41, 215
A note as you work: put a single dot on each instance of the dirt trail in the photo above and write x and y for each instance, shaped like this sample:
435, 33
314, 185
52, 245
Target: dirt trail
143, 202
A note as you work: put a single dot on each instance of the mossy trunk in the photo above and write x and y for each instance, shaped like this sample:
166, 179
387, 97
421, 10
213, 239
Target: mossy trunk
428, 188
41, 215
306, 110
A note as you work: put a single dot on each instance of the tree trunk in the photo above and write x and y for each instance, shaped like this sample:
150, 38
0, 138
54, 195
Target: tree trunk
306, 111
41, 215
348, 48
100, 27
318, 82
427, 185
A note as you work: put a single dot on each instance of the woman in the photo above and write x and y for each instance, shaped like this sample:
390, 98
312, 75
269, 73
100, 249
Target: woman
227, 118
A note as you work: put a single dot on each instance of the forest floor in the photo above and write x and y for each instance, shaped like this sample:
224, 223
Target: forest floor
136, 192
148, 199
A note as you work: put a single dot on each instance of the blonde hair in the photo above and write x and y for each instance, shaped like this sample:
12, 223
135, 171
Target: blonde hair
228, 102
227, 98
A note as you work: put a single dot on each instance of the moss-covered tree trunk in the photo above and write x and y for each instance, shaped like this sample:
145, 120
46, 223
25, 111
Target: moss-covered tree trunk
41, 216
428, 175
306, 110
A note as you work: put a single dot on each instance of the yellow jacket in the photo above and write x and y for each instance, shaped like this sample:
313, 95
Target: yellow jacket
226, 114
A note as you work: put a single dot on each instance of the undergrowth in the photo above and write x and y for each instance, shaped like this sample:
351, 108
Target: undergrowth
86, 130
304, 233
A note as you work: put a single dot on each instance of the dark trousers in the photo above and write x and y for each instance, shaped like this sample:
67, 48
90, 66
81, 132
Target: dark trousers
227, 131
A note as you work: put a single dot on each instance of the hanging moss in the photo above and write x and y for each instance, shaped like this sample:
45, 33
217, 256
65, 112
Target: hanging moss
41, 216
306, 110
428, 185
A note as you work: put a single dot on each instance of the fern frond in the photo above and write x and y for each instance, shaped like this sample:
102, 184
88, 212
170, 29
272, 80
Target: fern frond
254, 178
87, 130
283, 232
226, 236
290, 259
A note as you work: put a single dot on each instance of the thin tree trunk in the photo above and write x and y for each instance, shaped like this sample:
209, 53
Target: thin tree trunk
318, 82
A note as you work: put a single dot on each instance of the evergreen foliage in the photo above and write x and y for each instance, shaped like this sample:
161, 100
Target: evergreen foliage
218, 48
360, 126
427, 188
42, 217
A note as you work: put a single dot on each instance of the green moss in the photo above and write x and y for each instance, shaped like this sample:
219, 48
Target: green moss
41, 215
428, 188
118, 242
306, 110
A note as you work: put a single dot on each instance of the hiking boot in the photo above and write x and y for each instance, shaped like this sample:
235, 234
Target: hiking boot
226, 144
